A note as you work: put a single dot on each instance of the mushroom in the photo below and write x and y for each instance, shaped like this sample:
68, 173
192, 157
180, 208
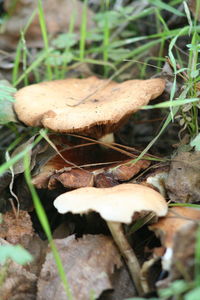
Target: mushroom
88, 106
116, 205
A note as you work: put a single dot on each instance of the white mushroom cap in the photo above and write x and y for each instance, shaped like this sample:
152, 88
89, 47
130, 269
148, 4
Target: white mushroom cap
118, 203
86, 106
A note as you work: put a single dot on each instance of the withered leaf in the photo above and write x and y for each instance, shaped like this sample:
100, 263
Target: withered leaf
168, 227
183, 260
127, 170
74, 178
37, 248
183, 180
88, 262
16, 229
104, 180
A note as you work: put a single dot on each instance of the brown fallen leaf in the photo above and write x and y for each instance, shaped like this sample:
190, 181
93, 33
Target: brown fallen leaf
74, 178
183, 261
57, 18
16, 229
37, 248
122, 286
183, 179
104, 180
89, 263
127, 170
168, 227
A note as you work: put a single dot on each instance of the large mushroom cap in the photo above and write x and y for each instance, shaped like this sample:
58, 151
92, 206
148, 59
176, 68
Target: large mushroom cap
118, 203
88, 106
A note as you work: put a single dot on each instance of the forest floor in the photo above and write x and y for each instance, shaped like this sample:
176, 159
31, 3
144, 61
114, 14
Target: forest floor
99, 139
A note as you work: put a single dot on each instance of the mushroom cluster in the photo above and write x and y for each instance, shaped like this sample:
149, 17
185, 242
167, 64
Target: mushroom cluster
94, 107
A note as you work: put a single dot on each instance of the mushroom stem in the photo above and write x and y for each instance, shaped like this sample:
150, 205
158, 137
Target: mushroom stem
128, 254
107, 138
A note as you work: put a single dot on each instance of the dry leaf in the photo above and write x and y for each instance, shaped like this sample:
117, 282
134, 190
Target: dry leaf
183, 261
183, 179
88, 262
74, 178
104, 180
167, 228
123, 287
37, 248
177, 217
126, 171
16, 229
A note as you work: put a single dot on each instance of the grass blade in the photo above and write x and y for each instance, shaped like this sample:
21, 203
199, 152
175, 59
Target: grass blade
45, 225
44, 36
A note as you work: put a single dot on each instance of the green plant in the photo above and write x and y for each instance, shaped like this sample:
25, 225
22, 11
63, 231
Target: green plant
10, 253
45, 225
16, 253
6, 100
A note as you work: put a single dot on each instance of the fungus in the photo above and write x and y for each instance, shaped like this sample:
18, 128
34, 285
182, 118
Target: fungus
116, 205
89, 106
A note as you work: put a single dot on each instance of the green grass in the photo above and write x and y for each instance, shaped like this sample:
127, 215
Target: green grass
45, 225
45, 37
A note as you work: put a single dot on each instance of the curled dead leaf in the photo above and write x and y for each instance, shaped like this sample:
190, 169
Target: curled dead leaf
127, 170
74, 178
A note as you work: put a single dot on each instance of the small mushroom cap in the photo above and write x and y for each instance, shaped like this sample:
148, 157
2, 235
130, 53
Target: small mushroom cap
118, 203
86, 106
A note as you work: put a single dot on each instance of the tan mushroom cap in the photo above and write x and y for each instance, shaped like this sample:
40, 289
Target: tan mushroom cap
118, 203
87, 106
